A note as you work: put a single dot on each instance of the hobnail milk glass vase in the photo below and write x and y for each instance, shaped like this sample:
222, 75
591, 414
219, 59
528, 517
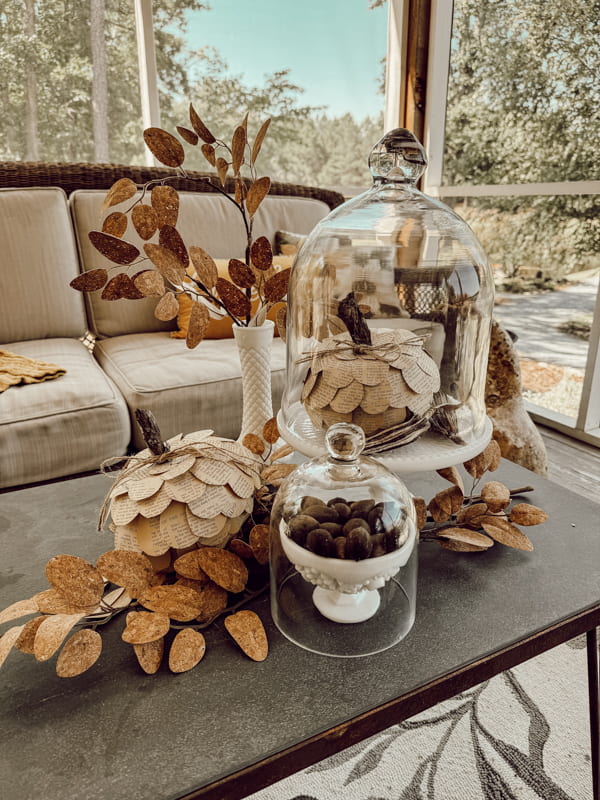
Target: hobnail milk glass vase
254, 348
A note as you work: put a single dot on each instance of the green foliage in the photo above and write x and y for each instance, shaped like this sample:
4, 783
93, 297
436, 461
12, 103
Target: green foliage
523, 107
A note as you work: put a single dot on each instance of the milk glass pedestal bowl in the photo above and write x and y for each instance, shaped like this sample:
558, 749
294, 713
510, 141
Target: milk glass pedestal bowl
343, 582
409, 363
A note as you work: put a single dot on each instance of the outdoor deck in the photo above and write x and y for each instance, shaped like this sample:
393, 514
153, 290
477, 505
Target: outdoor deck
573, 464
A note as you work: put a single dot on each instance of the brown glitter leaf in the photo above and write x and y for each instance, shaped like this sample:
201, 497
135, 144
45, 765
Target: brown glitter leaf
472, 514
187, 650
452, 475
270, 431
116, 250
421, 510
150, 654
164, 147
238, 144
205, 266
51, 601
187, 135
276, 287
177, 602
19, 609
121, 287
79, 654
7, 641
249, 634
115, 224
276, 472
145, 220
256, 194
150, 283
208, 151
281, 322
222, 167
188, 566
496, 495
90, 281
450, 500
200, 127
224, 568
526, 514
259, 542
437, 512
165, 201
240, 548
506, 533
466, 535
170, 238
142, 627
476, 466
282, 452
133, 571
492, 455
254, 443
261, 253
121, 190
77, 580
214, 600
234, 300
461, 547
167, 307
241, 274
166, 262
25, 641
259, 140
197, 325
51, 634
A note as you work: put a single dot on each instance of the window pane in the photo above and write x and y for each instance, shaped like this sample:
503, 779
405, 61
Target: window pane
69, 81
523, 92
546, 266
315, 68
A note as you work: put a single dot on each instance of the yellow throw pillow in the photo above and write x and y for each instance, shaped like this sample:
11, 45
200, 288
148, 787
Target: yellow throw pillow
223, 328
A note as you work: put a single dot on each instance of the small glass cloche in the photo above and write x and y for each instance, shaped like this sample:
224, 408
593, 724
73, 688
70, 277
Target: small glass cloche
388, 324
343, 552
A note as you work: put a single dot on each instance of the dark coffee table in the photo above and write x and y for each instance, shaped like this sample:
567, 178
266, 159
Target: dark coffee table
231, 726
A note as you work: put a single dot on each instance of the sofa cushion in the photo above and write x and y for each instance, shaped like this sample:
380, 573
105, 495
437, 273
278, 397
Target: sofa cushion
38, 258
63, 426
222, 328
186, 390
205, 220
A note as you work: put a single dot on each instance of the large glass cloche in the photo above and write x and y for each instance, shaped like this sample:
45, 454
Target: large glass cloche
388, 327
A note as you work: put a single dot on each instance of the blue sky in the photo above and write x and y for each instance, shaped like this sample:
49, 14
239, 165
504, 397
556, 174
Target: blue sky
332, 47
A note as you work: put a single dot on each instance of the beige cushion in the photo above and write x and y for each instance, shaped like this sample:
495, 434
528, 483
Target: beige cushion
38, 258
187, 390
205, 220
64, 426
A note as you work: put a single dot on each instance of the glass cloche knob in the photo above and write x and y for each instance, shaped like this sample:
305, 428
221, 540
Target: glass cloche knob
345, 442
398, 156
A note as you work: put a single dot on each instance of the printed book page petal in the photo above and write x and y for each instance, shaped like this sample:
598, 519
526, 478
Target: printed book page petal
348, 397
174, 526
123, 509
145, 487
376, 399
204, 529
149, 536
126, 539
179, 465
184, 488
155, 505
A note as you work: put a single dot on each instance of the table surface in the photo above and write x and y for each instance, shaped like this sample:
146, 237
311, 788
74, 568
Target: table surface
115, 732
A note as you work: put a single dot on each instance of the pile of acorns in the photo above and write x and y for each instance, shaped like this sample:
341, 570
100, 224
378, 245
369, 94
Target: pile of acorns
350, 530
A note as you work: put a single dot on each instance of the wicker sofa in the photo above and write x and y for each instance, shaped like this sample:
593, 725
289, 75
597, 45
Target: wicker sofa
70, 425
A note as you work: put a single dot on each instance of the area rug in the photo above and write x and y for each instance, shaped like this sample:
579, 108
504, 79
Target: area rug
523, 735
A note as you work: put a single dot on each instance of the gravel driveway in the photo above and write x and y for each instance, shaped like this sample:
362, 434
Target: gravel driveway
535, 319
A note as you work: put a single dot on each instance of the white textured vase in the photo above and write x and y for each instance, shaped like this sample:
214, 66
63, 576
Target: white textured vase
254, 347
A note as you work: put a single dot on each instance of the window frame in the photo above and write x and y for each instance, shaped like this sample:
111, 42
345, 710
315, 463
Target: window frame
436, 17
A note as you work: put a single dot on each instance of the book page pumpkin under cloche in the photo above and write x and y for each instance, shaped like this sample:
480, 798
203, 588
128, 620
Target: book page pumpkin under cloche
388, 323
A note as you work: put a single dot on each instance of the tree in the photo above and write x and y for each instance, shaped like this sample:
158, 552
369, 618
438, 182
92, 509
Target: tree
523, 106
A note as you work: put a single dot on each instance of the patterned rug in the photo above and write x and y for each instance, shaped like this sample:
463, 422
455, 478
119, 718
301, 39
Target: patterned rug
523, 735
